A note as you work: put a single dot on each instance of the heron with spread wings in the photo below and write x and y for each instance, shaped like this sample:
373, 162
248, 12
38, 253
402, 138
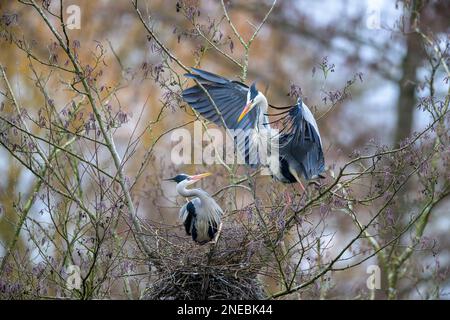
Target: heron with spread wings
239, 108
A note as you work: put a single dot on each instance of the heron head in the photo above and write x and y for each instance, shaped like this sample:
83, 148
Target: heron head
188, 180
252, 101
253, 92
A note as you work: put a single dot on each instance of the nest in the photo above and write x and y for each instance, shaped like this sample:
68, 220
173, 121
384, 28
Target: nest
189, 285
226, 270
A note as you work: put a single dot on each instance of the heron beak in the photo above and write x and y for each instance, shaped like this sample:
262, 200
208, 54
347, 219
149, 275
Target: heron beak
200, 176
246, 110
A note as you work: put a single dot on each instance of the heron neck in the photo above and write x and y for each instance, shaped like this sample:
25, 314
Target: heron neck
262, 110
183, 191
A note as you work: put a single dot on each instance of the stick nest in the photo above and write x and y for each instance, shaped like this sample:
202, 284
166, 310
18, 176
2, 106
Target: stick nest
225, 270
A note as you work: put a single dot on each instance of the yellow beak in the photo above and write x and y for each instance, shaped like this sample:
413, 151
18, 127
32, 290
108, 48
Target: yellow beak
200, 176
246, 110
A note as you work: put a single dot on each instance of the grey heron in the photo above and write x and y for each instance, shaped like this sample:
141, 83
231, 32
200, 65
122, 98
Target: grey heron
237, 106
201, 216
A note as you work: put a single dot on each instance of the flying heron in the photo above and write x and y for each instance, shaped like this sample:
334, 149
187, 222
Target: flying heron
236, 106
202, 215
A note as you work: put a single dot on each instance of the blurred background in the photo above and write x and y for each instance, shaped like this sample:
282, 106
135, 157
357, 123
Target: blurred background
357, 64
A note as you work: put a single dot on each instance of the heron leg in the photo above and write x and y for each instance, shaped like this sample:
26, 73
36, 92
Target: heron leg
302, 188
217, 235
315, 183
288, 199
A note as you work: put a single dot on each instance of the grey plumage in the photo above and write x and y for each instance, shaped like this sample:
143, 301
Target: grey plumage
299, 142
201, 220
201, 216
229, 97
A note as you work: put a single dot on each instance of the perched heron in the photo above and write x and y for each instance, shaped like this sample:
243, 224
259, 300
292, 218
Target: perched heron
236, 106
202, 215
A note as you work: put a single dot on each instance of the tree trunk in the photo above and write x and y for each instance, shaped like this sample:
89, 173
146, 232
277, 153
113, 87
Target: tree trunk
407, 85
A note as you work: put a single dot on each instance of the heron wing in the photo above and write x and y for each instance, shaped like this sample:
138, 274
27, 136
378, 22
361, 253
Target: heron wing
229, 96
188, 215
212, 229
300, 140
